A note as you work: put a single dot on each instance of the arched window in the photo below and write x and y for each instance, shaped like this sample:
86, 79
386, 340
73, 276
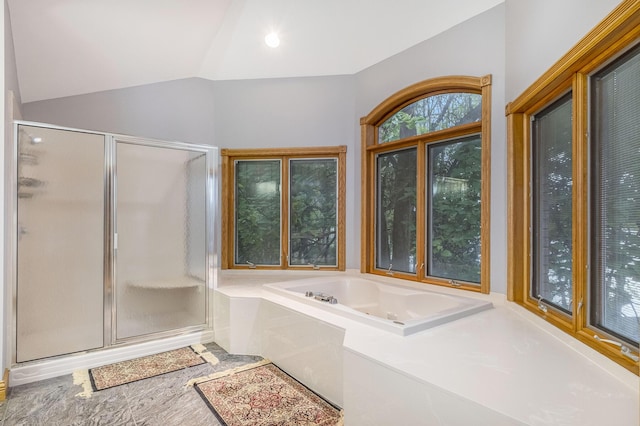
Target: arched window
426, 170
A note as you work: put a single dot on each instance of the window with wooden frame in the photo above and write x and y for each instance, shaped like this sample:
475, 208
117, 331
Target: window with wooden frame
284, 208
425, 183
574, 190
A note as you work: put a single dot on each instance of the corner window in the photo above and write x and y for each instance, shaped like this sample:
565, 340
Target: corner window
284, 208
615, 200
552, 184
426, 173
574, 191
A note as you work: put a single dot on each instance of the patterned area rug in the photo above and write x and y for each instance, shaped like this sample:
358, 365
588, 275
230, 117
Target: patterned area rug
266, 396
120, 373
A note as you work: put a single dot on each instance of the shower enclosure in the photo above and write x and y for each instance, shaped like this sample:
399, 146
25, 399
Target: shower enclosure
113, 240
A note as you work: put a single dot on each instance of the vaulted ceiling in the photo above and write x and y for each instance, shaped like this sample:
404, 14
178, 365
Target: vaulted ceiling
70, 47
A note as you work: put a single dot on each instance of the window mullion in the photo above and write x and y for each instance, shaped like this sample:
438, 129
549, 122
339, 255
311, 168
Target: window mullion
284, 221
485, 191
227, 212
421, 216
580, 202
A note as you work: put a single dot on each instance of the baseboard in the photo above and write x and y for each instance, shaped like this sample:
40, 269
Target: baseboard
31, 372
4, 385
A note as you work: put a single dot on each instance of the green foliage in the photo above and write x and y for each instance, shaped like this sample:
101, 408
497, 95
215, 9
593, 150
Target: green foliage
455, 170
431, 114
257, 212
312, 212
313, 209
396, 239
454, 227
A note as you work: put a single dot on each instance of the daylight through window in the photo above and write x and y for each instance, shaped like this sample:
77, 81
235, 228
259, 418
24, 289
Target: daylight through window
426, 171
574, 191
287, 208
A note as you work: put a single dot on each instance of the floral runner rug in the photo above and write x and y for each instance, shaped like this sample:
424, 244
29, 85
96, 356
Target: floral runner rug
132, 370
264, 396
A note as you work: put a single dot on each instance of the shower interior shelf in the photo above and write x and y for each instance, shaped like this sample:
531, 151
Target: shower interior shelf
177, 283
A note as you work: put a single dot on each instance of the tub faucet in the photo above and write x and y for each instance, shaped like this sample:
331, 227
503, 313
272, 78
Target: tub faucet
325, 298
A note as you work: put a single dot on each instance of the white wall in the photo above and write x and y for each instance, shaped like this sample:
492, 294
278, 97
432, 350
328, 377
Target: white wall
540, 32
288, 112
179, 110
515, 42
475, 48
313, 111
310, 111
3, 320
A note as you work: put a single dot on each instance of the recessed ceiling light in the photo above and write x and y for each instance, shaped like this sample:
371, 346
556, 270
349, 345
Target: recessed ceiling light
272, 40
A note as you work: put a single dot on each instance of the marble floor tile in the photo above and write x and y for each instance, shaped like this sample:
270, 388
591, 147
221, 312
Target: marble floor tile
164, 400
54, 402
228, 361
3, 408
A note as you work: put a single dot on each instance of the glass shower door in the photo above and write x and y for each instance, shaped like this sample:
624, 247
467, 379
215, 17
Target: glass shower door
160, 260
60, 240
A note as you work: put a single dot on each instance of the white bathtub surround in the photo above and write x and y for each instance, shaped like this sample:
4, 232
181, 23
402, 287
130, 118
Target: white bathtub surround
502, 366
237, 305
308, 349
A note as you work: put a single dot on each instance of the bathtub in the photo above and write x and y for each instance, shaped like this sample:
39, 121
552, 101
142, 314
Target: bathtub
399, 309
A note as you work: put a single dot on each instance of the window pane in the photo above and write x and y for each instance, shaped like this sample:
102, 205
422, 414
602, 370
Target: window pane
430, 114
257, 212
313, 212
616, 198
551, 219
396, 211
455, 170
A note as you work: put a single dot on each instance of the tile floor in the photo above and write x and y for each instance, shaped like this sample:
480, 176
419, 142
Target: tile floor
161, 400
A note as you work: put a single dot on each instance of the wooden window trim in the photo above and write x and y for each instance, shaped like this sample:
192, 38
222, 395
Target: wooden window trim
229, 156
370, 148
618, 31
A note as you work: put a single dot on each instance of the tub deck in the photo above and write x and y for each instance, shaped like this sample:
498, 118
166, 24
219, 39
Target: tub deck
502, 366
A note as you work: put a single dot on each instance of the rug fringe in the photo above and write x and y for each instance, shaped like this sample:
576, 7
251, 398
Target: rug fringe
205, 354
199, 348
81, 377
210, 358
229, 372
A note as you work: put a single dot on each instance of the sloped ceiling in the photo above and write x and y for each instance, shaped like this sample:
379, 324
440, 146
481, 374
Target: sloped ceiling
71, 47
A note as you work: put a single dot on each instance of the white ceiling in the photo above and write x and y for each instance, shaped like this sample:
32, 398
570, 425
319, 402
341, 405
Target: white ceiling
70, 47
